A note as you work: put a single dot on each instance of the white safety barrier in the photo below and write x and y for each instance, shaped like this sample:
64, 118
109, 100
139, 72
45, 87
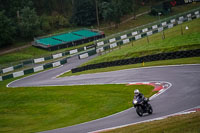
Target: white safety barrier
73, 51
197, 12
138, 37
181, 18
9, 69
173, 20
145, 30
160, 29
113, 45
134, 33
189, 15
170, 26
57, 55
100, 43
100, 50
112, 40
18, 74
84, 56
164, 23
126, 41
189, 19
149, 33
55, 64
154, 26
180, 22
124, 36
37, 69
38, 60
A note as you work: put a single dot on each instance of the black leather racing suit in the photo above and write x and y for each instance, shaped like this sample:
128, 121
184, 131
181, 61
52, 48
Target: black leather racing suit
141, 97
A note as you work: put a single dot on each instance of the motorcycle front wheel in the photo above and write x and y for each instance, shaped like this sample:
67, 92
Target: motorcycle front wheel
150, 110
139, 111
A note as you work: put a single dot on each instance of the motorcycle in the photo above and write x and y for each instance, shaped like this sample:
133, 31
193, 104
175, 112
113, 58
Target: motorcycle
142, 106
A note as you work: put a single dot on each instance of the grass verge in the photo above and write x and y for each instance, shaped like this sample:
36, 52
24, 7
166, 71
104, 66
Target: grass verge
188, 123
34, 109
193, 60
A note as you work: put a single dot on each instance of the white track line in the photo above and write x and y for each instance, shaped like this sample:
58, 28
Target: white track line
31, 76
159, 118
61, 74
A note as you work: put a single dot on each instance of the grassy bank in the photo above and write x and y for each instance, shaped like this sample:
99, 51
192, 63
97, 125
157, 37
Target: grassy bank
189, 123
193, 60
33, 109
173, 41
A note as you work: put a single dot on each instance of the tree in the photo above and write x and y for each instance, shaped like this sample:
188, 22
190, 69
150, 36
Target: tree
83, 13
117, 11
106, 10
12, 6
126, 6
135, 7
7, 30
97, 12
29, 24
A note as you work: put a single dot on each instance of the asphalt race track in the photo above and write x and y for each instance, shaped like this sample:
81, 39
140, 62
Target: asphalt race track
183, 94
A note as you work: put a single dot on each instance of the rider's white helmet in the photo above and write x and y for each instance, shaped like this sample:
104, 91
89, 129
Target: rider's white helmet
136, 92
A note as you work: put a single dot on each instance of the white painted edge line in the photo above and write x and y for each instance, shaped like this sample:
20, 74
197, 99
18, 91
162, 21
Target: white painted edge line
30, 76
159, 118
161, 91
61, 74
161, 66
147, 68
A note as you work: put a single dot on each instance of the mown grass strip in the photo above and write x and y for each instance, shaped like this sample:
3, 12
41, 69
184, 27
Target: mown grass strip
177, 124
34, 109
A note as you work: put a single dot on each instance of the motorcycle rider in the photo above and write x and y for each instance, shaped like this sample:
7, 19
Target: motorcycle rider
141, 103
139, 95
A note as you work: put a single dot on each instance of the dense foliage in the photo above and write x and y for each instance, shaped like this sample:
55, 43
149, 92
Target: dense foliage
6, 29
30, 18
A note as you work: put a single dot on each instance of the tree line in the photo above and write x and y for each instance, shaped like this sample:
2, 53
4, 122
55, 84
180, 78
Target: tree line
26, 19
